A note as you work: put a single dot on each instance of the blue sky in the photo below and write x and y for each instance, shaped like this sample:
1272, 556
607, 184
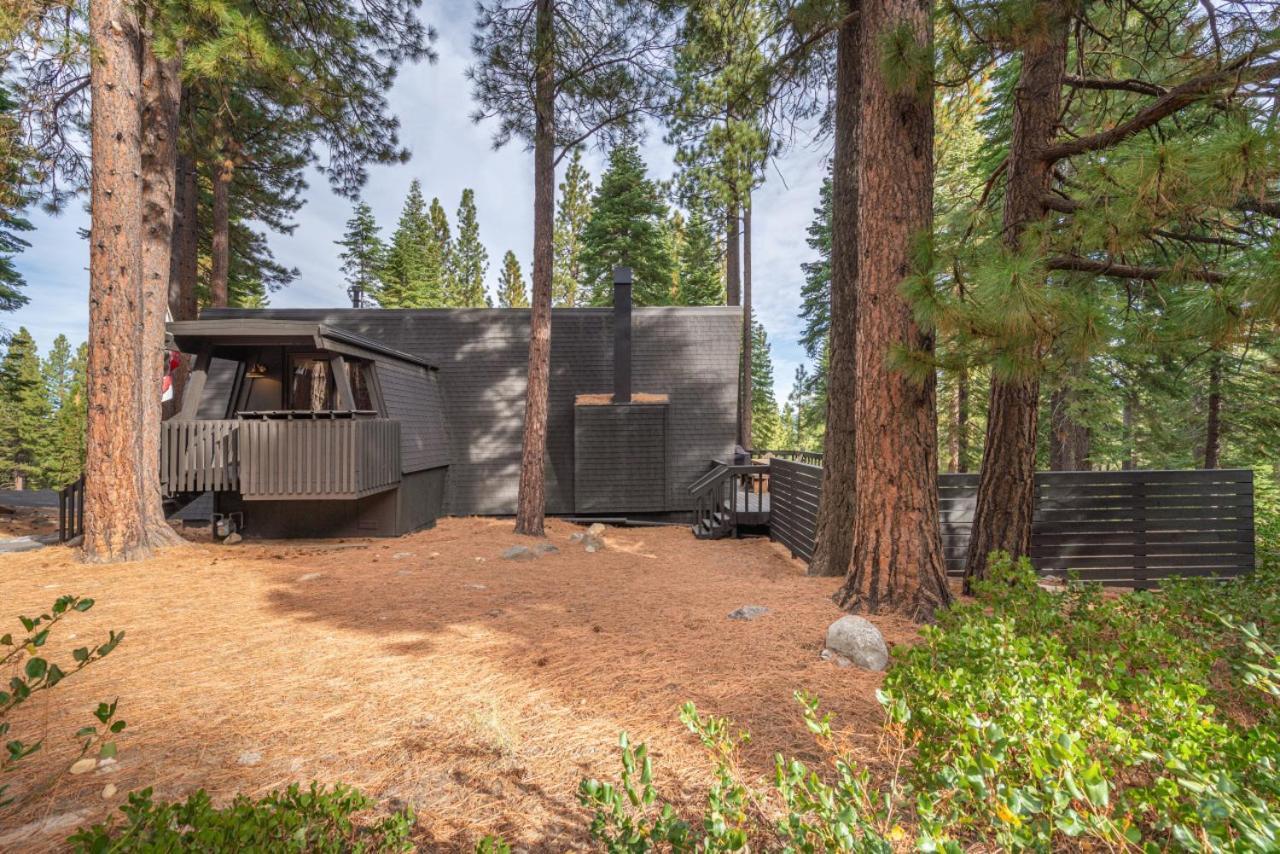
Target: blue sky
450, 153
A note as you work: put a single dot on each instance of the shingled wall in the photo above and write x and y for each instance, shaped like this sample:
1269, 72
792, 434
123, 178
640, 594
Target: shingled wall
689, 354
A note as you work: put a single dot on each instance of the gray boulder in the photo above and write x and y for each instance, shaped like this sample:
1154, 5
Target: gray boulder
859, 641
545, 549
748, 612
519, 553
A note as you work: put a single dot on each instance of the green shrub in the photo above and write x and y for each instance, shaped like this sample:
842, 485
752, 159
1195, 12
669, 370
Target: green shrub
293, 819
31, 673
1032, 720
1042, 717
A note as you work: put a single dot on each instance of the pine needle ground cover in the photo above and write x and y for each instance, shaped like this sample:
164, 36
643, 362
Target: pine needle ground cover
427, 672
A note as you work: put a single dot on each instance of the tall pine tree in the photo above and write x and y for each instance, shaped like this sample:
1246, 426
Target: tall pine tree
572, 214
363, 254
512, 292
24, 414
626, 229
469, 261
701, 276
411, 275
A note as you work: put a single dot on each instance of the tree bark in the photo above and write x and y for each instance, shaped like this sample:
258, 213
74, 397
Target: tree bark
960, 423
747, 395
833, 538
531, 503
184, 260
1006, 486
897, 563
114, 524
732, 257
1129, 417
1213, 424
220, 263
1068, 439
161, 94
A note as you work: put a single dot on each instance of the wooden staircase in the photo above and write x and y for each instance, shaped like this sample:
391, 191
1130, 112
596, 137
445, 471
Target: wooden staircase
728, 498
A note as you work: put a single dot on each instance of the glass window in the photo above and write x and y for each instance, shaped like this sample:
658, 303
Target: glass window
361, 384
311, 384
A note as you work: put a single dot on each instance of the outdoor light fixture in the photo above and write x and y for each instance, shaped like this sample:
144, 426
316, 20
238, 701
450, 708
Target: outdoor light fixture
256, 371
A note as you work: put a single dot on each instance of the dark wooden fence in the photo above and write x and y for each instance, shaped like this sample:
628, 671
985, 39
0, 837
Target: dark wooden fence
71, 510
1129, 528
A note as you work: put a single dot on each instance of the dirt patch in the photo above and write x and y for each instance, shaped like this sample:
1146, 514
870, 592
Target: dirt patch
428, 670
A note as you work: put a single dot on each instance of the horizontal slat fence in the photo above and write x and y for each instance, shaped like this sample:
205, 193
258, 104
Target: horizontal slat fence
275, 459
1128, 528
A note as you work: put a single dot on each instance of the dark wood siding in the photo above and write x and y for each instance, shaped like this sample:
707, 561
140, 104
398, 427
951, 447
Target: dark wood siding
413, 397
620, 458
689, 354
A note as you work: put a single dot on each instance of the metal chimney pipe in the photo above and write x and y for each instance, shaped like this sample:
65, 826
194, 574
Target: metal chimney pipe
621, 334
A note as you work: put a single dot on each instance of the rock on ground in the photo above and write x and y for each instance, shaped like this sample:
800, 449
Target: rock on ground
748, 612
519, 553
249, 757
859, 641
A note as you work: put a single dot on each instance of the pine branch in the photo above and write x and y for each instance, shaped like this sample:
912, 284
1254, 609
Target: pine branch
1118, 270
1176, 99
1106, 84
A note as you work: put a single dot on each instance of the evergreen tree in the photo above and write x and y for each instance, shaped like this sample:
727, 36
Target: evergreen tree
626, 229
701, 279
572, 215
512, 292
68, 431
442, 238
815, 293
469, 261
56, 372
24, 414
411, 275
363, 254
674, 231
13, 200
766, 425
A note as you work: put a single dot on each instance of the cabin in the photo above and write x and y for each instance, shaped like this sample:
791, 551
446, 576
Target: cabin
376, 422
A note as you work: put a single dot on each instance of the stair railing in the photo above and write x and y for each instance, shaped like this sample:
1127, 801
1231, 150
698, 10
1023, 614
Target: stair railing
720, 495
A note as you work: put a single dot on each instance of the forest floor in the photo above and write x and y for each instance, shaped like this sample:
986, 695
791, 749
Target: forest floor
429, 671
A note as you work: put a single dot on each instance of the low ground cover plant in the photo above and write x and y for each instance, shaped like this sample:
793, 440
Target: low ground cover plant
317, 819
1028, 719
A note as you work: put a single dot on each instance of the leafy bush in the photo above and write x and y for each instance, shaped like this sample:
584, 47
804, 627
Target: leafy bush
1030, 719
31, 673
314, 820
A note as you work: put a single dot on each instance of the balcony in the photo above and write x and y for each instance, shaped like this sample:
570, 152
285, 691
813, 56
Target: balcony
281, 458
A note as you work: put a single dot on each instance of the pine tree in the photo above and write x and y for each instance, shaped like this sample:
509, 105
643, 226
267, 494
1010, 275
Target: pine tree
363, 254
68, 430
766, 425
815, 293
701, 277
13, 200
56, 372
410, 277
512, 292
442, 238
469, 260
24, 414
626, 229
572, 215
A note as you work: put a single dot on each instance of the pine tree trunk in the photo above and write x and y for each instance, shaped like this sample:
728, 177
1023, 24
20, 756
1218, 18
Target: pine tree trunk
220, 263
1213, 424
184, 261
531, 504
897, 563
960, 424
833, 538
161, 93
1068, 439
1006, 486
1129, 417
114, 524
747, 394
732, 257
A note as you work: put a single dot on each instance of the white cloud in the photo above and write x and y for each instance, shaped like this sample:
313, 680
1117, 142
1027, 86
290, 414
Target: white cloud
450, 153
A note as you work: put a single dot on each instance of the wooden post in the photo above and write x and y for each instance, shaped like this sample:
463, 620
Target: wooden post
195, 385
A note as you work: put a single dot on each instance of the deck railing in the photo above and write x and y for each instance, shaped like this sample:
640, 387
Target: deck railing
281, 459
